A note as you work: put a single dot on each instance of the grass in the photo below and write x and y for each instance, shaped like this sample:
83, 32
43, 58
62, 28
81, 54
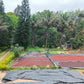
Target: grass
41, 50
30, 68
36, 49
76, 69
58, 52
44, 50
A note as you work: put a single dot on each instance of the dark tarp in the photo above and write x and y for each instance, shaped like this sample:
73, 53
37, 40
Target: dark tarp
59, 76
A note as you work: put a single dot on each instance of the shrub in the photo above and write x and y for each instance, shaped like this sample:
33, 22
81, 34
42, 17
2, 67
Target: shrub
43, 46
3, 48
17, 50
10, 68
53, 67
34, 67
47, 67
21, 68
59, 67
42, 67
3, 64
26, 68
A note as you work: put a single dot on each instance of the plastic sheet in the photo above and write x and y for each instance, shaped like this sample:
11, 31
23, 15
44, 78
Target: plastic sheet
59, 76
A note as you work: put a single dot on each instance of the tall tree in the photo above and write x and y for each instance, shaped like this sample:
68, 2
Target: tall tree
1, 7
4, 33
17, 10
22, 35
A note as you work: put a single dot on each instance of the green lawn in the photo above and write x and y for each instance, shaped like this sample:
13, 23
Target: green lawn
45, 50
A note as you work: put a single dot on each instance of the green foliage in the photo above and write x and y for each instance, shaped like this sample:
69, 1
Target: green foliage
4, 33
34, 67
26, 68
3, 48
4, 63
53, 67
75, 44
43, 46
17, 50
13, 20
17, 10
42, 67
1, 8
10, 68
47, 67
22, 34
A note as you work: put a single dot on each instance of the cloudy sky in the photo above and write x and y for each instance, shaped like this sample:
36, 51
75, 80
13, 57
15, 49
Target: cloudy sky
40, 5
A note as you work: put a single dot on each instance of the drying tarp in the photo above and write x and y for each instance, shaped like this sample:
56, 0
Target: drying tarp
59, 76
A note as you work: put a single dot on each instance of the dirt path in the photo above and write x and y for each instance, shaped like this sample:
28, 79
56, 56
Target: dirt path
2, 74
3, 57
3, 53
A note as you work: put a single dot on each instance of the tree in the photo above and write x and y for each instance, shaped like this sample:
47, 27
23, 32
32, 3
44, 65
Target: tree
45, 20
17, 10
1, 7
4, 33
22, 35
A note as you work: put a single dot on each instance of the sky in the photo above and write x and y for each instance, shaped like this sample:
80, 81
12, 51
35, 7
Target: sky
52, 5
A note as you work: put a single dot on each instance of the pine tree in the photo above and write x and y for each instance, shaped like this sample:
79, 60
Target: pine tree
22, 35
4, 33
17, 10
1, 7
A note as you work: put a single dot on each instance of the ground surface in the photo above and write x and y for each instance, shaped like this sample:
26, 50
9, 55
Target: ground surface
4, 56
38, 59
34, 58
2, 74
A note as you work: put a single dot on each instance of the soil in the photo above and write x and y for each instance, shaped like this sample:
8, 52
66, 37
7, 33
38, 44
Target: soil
81, 71
68, 58
38, 61
2, 74
72, 64
17, 60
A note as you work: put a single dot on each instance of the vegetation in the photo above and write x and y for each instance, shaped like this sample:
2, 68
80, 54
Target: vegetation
4, 63
17, 50
43, 29
22, 34
4, 33
27, 68
46, 29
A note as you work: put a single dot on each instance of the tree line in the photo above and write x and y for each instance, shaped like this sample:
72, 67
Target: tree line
43, 29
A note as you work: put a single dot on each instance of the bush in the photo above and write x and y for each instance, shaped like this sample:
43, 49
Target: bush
43, 46
3, 48
53, 67
34, 67
47, 67
42, 67
17, 50
10, 68
4, 63
59, 67
26, 68
75, 44
3, 66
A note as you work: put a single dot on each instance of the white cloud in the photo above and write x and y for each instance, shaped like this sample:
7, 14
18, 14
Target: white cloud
40, 5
